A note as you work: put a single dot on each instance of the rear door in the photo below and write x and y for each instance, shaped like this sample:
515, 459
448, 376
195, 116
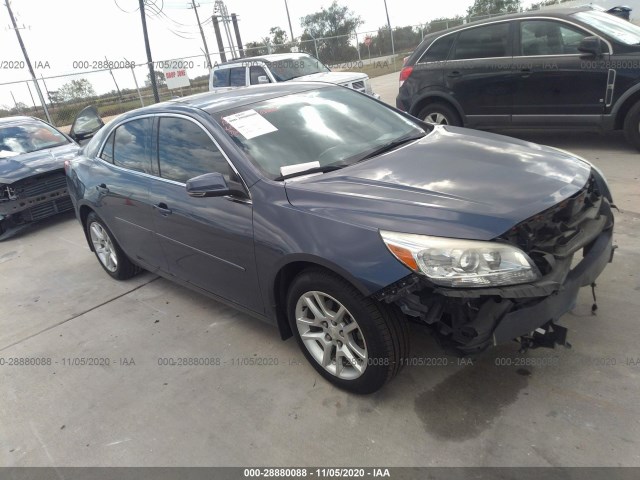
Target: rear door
123, 192
555, 83
208, 242
479, 73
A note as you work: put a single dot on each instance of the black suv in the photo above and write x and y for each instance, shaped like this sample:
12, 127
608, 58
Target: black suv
566, 68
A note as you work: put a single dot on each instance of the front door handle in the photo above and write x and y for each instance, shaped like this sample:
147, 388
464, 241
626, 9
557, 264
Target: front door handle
102, 188
163, 209
454, 74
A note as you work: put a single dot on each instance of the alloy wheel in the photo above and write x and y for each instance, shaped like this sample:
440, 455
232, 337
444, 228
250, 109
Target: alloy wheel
436, 118
103, 247
331, 335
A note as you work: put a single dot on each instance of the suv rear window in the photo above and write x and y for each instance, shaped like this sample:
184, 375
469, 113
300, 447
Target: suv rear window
238, 76
439, 50
483, 42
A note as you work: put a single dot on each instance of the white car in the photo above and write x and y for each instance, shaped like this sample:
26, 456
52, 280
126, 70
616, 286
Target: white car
282, 67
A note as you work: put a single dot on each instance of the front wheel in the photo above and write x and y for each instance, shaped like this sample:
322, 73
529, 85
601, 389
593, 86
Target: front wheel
354, 342
110, 255
632, 126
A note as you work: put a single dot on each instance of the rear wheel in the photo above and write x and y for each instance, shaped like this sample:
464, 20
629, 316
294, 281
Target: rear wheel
354, 342
440, 114
109, 254
632, 126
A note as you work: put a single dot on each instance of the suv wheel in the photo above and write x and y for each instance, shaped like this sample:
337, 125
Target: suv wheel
109, 254
440, 114
632, 126
354, 342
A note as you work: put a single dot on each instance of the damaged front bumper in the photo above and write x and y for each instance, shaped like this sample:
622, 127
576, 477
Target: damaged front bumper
473, 319
32, 200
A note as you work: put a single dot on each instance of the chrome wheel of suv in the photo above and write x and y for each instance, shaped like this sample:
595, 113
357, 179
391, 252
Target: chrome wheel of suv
331, 335
436, 118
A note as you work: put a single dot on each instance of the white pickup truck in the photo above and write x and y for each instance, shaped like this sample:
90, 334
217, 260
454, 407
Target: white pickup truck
283, 67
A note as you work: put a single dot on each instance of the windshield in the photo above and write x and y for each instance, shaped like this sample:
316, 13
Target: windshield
617, 28
325, 127
22, 138
289, 68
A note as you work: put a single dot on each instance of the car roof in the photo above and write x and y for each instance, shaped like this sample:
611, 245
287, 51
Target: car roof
212, 102
18, 119
274, 57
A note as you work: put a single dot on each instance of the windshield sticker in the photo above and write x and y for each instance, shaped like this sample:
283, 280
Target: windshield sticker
250, 124
298, 167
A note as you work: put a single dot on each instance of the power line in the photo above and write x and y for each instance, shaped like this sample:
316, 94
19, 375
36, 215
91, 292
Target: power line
125, 11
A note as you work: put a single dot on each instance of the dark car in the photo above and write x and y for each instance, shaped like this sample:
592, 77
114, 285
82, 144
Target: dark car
337, 218
32, 156
564, 68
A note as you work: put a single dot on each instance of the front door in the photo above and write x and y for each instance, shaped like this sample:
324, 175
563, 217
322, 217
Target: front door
555, 83
208, 242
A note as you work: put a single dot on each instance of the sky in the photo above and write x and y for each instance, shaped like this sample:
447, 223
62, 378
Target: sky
60, 33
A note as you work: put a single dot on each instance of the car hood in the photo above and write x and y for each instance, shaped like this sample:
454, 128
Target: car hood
26, 165
332, 77
453, 182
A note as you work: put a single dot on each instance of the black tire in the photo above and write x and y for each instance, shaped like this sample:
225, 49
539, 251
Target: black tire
383, 328
437, 108
124, 268
632, 126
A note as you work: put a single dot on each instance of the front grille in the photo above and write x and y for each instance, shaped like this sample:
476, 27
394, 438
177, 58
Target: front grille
562, 229
47, 209
42, 184
359, 85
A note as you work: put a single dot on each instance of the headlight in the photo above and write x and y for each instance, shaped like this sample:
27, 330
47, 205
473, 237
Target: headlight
452, 262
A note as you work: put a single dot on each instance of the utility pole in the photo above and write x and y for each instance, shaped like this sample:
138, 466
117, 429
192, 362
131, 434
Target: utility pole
114, 78
28, 62
289, 19
206, 48
152, 73
393, 49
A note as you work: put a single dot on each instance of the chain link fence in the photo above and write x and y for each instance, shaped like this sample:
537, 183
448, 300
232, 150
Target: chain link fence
115, 87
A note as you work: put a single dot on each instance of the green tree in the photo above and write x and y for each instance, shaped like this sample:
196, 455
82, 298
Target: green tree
332, 27
161, 80
279, 40
76, 89
493, 7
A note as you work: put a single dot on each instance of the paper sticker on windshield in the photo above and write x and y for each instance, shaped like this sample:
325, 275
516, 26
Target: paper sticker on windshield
250, 124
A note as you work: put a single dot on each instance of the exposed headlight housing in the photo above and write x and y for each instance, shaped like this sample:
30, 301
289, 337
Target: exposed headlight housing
452, 262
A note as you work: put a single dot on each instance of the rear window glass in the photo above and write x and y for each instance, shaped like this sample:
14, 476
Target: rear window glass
221, 78
439, 50
483, 42
238, 77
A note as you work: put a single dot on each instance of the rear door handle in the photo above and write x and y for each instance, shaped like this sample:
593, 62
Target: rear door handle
102, 188
525, 72
163, 209
455, 73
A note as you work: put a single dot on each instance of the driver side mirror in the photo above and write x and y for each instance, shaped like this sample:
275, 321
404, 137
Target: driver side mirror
214, 185
86, 124
591, 45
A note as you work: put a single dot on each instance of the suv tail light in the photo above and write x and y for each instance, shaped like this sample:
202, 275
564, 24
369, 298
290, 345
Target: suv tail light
405, 73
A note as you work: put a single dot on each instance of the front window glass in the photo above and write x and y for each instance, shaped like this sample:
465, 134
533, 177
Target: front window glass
330, 126
617, 28
296, 66
543, 37
186, 151
17, 139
